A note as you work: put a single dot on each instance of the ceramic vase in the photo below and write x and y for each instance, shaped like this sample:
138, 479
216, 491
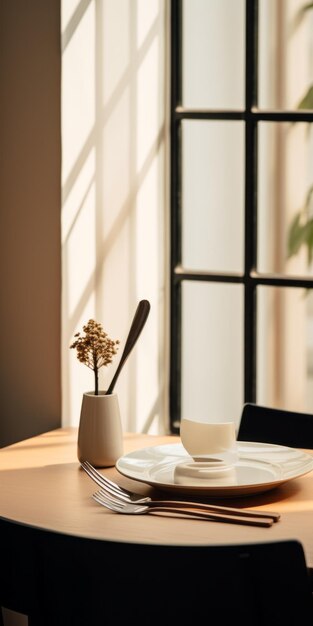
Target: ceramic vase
100, 434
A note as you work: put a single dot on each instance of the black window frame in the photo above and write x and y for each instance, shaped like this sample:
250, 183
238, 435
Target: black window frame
250, 278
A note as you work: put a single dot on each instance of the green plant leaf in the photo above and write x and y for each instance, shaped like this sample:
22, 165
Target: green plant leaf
300, 234
295, 236
309, 241
307, 100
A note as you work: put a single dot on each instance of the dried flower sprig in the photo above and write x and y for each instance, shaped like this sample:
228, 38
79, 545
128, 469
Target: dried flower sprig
95, 349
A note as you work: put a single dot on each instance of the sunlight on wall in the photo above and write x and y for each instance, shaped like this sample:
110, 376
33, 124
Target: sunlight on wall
114, 200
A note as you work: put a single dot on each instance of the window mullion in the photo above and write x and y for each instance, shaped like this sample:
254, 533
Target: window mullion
250, 296
175, 225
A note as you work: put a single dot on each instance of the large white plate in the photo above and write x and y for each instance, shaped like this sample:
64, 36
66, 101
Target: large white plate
260, 467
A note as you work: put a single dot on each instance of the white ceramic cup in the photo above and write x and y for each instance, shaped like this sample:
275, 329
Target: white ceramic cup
209, 442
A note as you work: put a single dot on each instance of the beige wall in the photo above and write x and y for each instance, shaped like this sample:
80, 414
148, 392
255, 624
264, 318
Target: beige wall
30, 162
115, 133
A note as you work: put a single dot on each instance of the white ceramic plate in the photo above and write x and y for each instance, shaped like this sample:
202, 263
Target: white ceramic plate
260, 467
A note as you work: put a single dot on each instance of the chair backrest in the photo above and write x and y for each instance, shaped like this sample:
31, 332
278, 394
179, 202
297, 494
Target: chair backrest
270, 425
75, 580
263, 584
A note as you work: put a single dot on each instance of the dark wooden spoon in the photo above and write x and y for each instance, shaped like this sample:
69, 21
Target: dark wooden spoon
138, 323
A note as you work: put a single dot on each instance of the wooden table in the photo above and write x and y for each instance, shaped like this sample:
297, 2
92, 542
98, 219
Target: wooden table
43, 488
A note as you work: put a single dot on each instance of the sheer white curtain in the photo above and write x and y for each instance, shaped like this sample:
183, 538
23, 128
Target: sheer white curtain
114, 215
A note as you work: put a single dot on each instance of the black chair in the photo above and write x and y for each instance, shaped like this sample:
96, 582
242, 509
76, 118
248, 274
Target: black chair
269, 425
64, 580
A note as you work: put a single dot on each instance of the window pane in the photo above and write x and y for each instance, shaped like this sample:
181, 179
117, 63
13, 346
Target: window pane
212, 351
213, 53
285, 198
212, 195
285, 54
285, 348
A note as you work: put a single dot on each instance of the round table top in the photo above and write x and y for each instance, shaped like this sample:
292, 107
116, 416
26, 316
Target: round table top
43, 485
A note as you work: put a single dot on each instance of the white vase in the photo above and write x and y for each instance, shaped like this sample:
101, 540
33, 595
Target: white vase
100, 434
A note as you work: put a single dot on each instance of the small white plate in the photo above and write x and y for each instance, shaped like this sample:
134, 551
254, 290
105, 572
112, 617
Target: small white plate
260, 467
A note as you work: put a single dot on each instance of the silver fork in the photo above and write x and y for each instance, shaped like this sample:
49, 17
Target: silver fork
114, 488
180, 512
116, 493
